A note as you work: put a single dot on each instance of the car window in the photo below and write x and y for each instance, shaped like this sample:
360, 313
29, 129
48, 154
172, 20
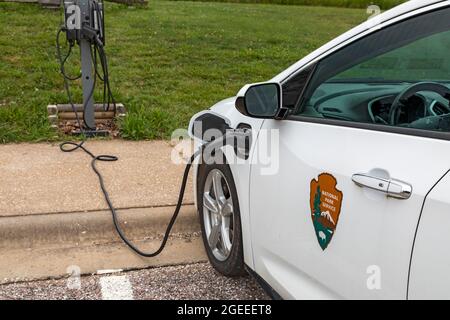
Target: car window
398, 76
293, 88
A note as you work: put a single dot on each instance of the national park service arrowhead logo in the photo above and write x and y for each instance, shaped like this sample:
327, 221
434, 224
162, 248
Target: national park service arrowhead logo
325, 201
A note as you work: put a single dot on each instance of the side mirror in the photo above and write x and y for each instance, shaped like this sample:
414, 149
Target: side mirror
261, 100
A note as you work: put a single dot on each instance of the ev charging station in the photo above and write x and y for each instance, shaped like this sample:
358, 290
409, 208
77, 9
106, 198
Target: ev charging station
86, 12
84, 25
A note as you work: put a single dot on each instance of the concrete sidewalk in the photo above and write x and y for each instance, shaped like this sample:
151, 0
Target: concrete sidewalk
53, 214
39, 178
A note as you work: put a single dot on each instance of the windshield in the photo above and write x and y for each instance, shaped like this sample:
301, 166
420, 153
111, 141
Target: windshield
426, 59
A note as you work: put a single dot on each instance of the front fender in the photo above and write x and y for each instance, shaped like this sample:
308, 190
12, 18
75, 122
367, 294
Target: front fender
240, 168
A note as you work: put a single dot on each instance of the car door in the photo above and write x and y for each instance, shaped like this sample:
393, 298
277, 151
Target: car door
430, 262
338, 217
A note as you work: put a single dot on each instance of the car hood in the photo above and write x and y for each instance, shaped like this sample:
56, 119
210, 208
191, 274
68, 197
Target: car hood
224, 105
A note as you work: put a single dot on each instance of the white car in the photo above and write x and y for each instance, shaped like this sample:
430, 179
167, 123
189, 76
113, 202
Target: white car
343, 188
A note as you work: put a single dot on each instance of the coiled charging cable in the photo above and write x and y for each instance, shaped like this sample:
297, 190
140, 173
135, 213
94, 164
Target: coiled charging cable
217, 143
74, 146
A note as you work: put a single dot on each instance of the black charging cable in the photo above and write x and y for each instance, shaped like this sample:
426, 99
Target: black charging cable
76, 146
70, 146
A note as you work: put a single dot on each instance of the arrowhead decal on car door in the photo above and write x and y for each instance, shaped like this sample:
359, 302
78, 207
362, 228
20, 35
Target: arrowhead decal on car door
325, 201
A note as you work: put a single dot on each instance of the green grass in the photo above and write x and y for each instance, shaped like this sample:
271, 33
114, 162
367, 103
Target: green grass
383, 4
167, 61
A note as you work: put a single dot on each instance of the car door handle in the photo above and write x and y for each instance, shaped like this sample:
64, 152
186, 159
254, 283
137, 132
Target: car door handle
391, 187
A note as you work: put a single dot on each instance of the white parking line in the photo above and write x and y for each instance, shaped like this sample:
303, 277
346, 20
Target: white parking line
116, 288
108, 271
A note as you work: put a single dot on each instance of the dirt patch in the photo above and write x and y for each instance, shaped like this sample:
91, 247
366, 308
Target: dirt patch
71, 127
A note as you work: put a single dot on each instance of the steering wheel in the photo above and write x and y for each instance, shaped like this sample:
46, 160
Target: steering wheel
410, 91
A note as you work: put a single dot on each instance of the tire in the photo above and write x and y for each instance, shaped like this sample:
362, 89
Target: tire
227, 260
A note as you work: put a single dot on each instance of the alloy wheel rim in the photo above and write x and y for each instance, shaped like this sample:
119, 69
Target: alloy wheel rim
218, 214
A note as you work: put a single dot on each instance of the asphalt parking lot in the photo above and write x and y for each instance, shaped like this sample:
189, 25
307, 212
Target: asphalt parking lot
192, 281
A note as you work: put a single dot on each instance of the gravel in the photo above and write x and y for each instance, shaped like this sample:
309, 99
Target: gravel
52, 290
194, 281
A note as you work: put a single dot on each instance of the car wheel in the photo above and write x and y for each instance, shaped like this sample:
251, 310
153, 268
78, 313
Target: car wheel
220, 219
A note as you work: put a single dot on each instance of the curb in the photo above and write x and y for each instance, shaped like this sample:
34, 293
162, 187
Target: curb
47, 246
56, 230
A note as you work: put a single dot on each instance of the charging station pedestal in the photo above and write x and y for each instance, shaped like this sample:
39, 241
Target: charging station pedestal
86, 67
88, 84
84, 25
